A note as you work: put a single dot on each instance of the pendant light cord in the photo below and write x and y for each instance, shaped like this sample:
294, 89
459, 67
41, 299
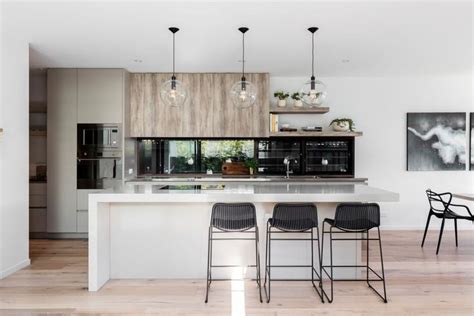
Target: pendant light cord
312, 55
243, 55
173, 54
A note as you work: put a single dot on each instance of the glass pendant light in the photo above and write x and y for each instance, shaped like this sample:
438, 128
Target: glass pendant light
313, 91
243, 93
173, 92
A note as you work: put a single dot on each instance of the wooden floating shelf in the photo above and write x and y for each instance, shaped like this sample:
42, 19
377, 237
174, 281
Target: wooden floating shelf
316, 134
295, 110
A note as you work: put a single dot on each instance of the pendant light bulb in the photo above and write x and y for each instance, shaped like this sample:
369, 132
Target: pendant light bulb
243, 93
173, 92
313, 91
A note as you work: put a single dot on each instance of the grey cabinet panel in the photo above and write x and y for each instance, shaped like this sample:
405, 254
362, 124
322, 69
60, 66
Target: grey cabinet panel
208, 112
61, 150
100, 95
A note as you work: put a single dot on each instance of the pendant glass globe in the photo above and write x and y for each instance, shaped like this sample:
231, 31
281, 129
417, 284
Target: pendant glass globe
173, 93
243, 94
314, 93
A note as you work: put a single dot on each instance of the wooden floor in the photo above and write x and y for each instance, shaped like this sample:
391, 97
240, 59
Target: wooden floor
419, 283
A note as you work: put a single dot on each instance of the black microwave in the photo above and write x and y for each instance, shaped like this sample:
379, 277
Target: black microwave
98, 139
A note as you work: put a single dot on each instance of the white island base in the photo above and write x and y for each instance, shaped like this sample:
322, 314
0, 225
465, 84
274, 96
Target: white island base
164, 235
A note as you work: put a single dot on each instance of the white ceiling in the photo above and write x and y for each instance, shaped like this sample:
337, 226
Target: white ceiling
377, 37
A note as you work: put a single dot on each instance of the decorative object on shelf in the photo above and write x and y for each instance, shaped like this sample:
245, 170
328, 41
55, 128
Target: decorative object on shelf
243, 93
173, 92
313, 91
286, 125
472, 142
436, 141
312, 129
297, 99
251, 164
274, 122
282, 97
288, 129
342, 125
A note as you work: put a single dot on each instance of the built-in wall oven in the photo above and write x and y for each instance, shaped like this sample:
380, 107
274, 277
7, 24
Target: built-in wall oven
99, 156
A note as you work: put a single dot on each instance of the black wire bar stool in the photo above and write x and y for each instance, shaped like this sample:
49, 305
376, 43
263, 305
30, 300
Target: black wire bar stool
442, 207
287, 219
232, 218
353, 218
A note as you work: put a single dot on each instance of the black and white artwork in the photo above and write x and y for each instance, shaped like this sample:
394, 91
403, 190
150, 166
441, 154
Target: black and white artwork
472, 142
436, 141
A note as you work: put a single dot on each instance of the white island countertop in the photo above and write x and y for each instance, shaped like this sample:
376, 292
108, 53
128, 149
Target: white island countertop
163, 233
256, 192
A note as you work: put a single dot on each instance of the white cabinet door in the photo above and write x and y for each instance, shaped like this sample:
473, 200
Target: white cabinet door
61, 151
100, 95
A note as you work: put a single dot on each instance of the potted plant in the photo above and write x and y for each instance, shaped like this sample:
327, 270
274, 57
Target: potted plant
342, 125
282, 96
297, 99
252, 165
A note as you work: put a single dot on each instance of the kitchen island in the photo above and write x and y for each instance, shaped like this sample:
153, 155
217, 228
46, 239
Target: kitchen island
163, 233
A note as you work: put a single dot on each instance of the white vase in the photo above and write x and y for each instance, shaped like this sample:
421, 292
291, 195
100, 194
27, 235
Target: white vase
281, 103
298, 103
340, 126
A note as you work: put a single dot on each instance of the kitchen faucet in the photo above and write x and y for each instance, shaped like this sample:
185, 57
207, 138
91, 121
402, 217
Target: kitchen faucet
287, 162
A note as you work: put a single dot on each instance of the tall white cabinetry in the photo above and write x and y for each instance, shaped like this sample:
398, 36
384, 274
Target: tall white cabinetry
76, 96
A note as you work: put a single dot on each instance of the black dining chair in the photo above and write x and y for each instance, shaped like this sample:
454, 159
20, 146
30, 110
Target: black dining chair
228, 218
442, 207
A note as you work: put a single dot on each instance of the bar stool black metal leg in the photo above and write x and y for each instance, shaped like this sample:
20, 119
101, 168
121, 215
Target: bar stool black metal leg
332, 272
456, 230
209, 263
320, 266
323, 270
383, 269
257, 264
267, 264
440, 234
367, 259
382, 278
313, 269
426, 229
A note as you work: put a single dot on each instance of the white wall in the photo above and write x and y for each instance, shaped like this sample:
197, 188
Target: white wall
378, 105
13, 152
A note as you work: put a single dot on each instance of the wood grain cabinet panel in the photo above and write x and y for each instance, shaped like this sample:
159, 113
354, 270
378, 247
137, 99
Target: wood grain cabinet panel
208, 112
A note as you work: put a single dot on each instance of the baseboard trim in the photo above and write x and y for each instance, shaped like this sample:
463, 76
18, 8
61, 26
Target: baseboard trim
15, 268
67, 236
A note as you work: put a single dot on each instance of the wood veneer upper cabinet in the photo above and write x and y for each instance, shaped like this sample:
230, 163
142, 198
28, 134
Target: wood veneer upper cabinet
100, 95
208, 112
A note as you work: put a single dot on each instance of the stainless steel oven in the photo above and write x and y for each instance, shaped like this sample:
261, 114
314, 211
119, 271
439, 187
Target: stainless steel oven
99, 156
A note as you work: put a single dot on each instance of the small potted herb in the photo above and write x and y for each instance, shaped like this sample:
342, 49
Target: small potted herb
342, 125
297, 99
252, 165
282, 96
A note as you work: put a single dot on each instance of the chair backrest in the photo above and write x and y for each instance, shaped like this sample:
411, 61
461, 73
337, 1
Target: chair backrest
233, 216
357, 216
295, 217
439, 202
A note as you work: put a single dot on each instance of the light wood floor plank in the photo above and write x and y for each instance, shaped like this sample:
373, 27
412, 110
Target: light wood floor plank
418, 283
